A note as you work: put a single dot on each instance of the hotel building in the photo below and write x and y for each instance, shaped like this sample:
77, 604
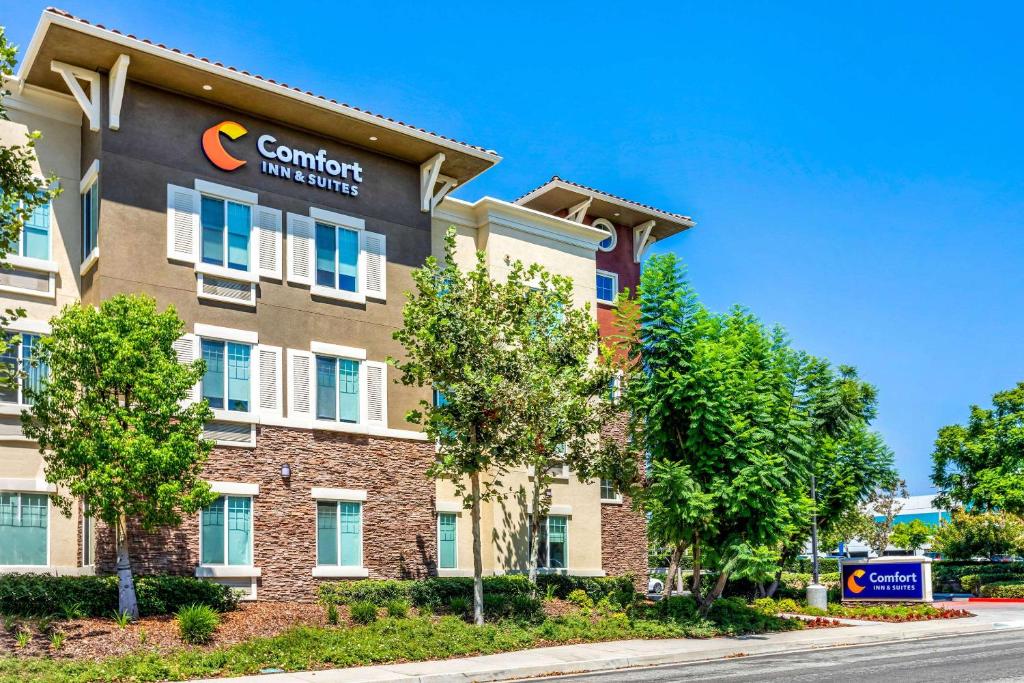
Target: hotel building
283, 228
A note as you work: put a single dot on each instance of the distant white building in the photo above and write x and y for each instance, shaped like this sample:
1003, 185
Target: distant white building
914, 507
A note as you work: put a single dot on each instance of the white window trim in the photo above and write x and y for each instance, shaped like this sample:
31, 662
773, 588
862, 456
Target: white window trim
90, 261
556, 512
339, 294
226, 273
615, 286
31, 568
22, 327
448, 506
251, 303
339, 220
230, 570
91, 174
34, 265
232, 488
226, 192
226, 334
456, 567
29, 263
563, 476
610, 227
339, 570
617, 500
87, 522
336, 350
344, 495
357, 427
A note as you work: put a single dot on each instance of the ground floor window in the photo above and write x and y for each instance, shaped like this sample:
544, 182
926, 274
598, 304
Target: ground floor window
339, 534
608, 491
226, 533
24, 518
447, 549
553, 552
87, 533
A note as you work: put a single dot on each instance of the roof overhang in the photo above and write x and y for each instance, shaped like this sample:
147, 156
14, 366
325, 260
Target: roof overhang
491, 211
63, 38
558, 195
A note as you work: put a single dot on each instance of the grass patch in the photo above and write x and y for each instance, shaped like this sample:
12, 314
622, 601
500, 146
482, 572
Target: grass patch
392, 640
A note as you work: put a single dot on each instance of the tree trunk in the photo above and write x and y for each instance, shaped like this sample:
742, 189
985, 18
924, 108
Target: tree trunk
126, 600
774, 586
478, 556
695, 579
714, 593
673, 570
535, 529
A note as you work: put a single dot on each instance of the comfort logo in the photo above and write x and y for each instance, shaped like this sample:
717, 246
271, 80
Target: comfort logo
851, 581
214, 150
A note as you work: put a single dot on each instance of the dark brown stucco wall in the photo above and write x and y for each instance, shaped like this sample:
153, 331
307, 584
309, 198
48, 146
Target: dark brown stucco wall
399, 538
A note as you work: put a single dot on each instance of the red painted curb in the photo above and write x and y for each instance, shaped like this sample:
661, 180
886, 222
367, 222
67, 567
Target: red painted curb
1021, 600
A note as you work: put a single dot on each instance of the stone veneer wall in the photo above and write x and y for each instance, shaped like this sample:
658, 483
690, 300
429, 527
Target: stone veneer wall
399, 528
623, 529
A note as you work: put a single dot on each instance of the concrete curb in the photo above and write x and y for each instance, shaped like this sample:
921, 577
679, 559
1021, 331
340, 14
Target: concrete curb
611, 656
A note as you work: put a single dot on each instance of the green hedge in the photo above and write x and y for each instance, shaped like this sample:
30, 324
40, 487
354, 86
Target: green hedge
96, 596
437, 592
1003, 589
948, 576
802, 565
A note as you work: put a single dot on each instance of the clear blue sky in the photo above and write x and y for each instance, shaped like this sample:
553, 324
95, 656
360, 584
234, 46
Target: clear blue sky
856, 172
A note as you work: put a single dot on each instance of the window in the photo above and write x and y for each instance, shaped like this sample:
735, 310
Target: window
608, 490
90, 219
447, 548
226, 532
19, 359
607, 287
23, 521
226, 382
553, 549
226, 230
35, 235
337, 389
339, 534
609, 242
337, 258
87, 532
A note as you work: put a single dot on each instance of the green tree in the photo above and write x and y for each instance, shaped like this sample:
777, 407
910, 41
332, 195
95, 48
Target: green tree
984, 534
113, 424
460, 334
884, 504
21, 193
715, 403
912, 535
565, 396
980, 466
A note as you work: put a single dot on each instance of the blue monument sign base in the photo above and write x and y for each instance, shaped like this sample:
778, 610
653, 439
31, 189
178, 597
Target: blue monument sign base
901, 579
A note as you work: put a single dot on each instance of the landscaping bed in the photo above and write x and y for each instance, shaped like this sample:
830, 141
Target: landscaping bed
887, 612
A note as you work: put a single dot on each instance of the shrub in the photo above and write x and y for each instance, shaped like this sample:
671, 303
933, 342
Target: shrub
399, 609
734, 616
369, 590
460, 606
363, 612
679, 608
332, 614
580, 598
1003, 589
196, 624
33, 595
595, 587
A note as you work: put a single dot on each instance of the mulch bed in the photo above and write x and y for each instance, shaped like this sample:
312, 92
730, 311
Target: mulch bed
102, 638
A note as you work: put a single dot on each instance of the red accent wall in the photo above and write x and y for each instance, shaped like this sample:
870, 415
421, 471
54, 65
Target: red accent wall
620, 261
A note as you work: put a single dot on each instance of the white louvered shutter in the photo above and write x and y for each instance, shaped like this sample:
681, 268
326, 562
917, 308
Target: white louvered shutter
375, 376
300, 249
268, 362
374, 248
182, 223
300, 385
187, 348
267, 230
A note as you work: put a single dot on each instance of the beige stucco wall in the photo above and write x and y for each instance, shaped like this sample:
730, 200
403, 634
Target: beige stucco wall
505, 521
57, 151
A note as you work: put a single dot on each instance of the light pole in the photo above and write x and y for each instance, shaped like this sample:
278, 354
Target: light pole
817, 595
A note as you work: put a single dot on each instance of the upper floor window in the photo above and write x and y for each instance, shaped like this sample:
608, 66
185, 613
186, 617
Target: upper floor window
608, 490
337, 389
226, 384
226, 228
607, 287
19, 361
34, 241
337, 257
609, 242
90, 218
24, 518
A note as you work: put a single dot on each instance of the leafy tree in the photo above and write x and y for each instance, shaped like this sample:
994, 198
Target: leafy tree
112, 422
985, 534
565, 395
714, 402
912, 535
21, 193
460, 334
884, 505
852, 524
981, 466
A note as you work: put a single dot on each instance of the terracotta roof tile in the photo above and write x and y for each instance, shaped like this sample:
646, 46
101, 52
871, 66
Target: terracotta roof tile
555, 178
68, 15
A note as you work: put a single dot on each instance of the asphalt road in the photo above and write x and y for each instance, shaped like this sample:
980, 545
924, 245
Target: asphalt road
983, 657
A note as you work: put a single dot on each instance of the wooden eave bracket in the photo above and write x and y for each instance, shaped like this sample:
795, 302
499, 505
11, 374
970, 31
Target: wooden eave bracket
90, 103
578, 212
430, 176
642, 239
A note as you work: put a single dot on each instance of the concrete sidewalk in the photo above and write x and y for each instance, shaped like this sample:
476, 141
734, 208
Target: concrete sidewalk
609, 656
